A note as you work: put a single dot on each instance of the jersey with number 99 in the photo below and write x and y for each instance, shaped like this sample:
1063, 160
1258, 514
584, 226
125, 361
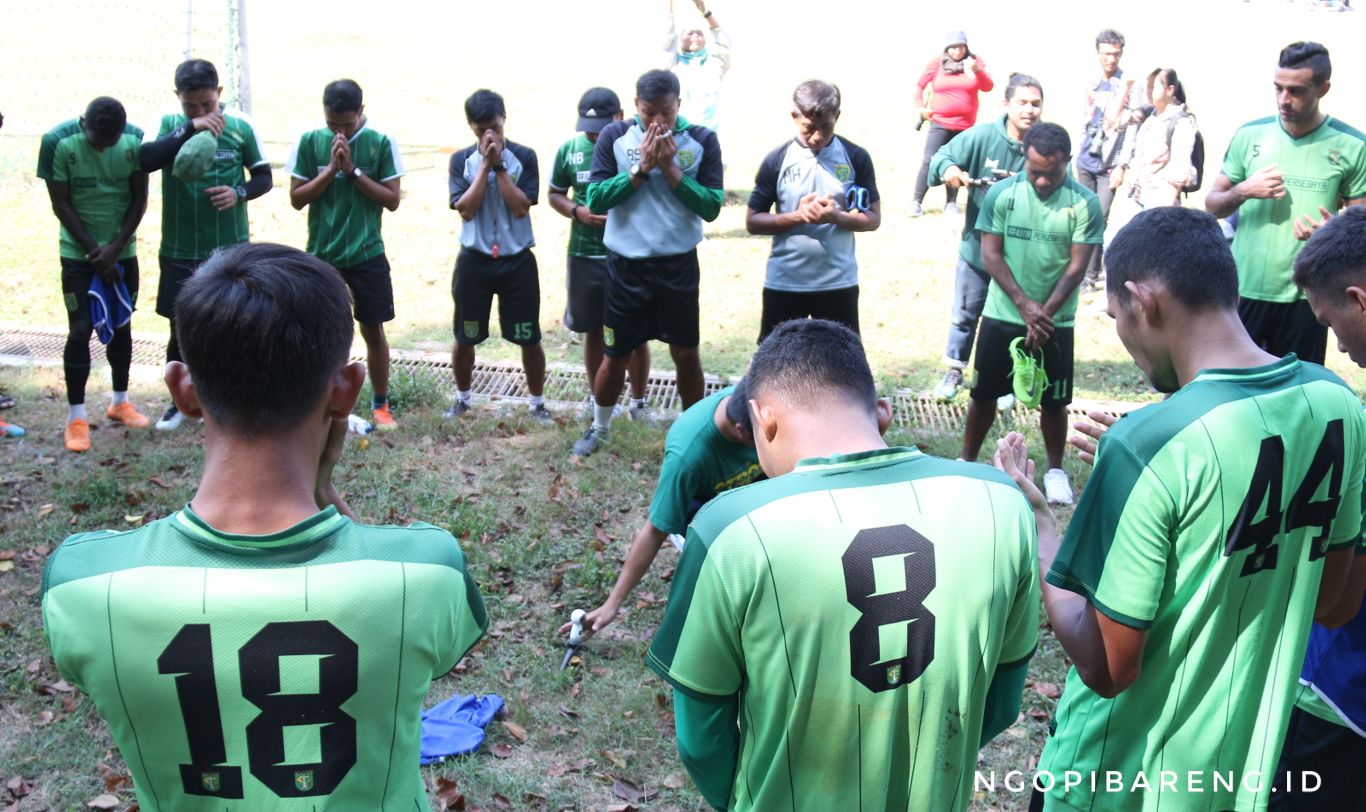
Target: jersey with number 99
282, 672
860, 607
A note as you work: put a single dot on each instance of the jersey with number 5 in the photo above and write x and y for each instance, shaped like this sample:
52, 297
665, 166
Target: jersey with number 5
1206, 521
283, 672
859, 606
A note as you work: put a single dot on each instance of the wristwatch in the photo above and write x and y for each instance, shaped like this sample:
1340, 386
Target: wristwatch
241, 192
637, 172
501, 166
355, 172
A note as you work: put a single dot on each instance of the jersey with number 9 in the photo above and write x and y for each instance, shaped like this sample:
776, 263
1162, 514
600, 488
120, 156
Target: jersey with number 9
283, 672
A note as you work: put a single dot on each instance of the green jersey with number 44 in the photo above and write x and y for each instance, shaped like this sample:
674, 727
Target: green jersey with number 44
1206, 521
283, 672
859, 607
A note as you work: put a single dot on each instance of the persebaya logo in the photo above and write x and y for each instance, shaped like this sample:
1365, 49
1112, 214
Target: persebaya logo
303, 780
1335, 157
211, 782
471, 329
843, 173
609, 336
685, 158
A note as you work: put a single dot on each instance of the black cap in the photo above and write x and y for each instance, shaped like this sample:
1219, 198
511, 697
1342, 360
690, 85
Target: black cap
598, 107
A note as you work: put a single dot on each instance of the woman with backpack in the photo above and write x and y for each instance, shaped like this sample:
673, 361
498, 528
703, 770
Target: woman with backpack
954, 78
1157, 164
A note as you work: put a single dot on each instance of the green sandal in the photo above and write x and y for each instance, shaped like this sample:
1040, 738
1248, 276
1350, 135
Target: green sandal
1027, 374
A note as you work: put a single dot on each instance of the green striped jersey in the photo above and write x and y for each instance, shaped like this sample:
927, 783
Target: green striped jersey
191, 228
98, 180
699, 462
1321, 168
573, 164
283, 672
1038, 236
1205, 522
344, 224
859, 607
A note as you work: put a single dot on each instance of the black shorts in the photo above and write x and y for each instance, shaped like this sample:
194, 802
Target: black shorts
1335, 752
76, 276
1285, 327
587, 278
994, 366
650, 298
174, 274
513, 279
839, 305
371, 290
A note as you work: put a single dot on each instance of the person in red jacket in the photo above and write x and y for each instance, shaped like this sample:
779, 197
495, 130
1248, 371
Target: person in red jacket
954, 77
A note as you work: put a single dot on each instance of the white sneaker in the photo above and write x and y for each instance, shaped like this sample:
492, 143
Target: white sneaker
171, 419
1056, 487
676, 540
1005, 404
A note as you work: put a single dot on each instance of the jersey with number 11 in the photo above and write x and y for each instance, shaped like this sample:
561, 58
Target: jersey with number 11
283, 672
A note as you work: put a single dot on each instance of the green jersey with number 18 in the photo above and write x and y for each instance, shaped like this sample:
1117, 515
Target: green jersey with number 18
1205, 522
859, 607
283, 672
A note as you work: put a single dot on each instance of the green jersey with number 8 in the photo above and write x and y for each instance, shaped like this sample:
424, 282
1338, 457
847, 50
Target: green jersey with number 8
1206, 522
859, 606
283, 672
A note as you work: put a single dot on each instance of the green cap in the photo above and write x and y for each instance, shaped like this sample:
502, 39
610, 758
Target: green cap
195, 158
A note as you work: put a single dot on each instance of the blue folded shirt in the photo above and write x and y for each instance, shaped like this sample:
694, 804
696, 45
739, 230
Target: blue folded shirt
456, 726
111, 308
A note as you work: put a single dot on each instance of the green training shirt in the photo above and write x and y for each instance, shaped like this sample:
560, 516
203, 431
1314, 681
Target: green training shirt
1038, 235
98, 181
573, 165
699, 463
344, 224
191, 228
1322, 168
981, 151
859, 607
283, 672
1205, 522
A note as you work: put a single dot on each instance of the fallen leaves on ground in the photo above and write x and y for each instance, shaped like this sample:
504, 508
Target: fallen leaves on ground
516, 731
448, 796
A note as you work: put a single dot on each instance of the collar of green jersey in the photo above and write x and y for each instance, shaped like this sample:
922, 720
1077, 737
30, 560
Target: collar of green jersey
1270, 370
879, 456
310, 530
680, 123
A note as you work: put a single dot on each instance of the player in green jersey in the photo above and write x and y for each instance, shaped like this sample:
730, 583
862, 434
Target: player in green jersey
348, 173
844, 635
1279, 172
709, 450
99, 194
202, 214
1038, 231
586, 270
258, 649
1216, 526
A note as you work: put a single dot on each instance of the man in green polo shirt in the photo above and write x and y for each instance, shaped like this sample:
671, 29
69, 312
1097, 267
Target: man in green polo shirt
1277, 172
201, 214
99, 193
844, 635
1038, 231
348, 173
709, 450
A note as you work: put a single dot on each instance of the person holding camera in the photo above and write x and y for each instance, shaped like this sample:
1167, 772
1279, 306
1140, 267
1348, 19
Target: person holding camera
954, 78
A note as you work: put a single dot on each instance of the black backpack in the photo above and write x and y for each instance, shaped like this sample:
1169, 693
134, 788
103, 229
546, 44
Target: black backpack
1197, 152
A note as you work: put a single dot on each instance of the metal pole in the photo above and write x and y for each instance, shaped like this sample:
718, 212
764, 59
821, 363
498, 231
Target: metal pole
189, 26
243, 63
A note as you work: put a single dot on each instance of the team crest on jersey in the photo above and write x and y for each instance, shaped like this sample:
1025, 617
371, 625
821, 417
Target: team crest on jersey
686, 158
843, 173
303, 780
471, 329
1335, 157
894, 674
211, 781
609, 336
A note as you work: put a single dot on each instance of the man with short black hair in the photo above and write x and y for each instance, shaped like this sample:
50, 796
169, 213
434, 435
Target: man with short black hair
825, 190
830, 623
1038, 231
1216, 525
261, 649
493, 185
1327, 730
1280, 173
348, 173
660, 177
984, 155
586, 270
202, 209
99, 194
